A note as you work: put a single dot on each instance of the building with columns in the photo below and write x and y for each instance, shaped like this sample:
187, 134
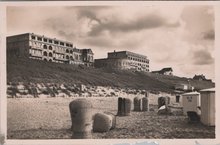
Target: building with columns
40, 47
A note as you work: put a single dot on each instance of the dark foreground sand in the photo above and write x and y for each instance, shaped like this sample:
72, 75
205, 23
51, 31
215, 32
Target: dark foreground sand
49, 118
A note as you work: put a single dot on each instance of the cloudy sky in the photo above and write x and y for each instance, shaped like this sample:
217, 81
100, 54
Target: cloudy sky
181, 37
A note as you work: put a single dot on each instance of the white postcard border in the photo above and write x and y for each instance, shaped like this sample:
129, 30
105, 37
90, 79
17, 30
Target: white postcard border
3, 99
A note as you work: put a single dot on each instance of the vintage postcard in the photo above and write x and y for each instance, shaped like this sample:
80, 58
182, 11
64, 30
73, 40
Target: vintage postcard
122, 73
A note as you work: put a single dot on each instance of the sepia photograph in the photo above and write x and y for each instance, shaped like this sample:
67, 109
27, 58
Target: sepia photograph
110, 72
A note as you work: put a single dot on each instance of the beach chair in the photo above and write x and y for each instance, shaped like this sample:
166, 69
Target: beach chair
193, 117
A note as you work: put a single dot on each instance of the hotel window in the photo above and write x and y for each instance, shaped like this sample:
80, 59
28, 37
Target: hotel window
33, 37
45, 40
61, 43
45, 53
67, 45
45, 46
39, 38
55, 42
50, 41
71, 45
50, 54
50, 48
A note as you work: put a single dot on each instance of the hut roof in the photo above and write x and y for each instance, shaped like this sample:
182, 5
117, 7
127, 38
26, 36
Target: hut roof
192, 93
208, 90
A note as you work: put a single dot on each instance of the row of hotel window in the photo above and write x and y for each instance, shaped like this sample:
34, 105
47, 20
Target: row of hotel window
51, 41
58, 49
40, 54
62, 56
137, 59
58, 61
143, 67
136, 64
125, 64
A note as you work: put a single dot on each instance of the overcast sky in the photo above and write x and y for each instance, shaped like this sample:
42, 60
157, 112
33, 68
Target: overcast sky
181, 37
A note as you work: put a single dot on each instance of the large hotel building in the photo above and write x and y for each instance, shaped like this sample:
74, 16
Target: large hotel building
124, 60
49, 49
39, 47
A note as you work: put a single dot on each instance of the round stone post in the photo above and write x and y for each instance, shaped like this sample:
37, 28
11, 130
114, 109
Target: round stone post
137, 104
167, 101
145, 104
161, 101
102, 122
120, 104
81, 115
113, 119
123, 107
147, 94
127, 107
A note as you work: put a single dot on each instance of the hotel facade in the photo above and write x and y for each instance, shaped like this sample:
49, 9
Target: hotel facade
48, 49
124, 60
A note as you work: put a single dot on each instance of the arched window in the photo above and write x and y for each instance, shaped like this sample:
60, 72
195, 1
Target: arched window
67, 57
67, 50
50, 60
50, 47
45, 46
71, 51
45, 59
45, 53
71, 57
30, 51
50, 54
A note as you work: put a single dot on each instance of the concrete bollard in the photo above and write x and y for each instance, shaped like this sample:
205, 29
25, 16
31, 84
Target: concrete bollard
123, 107
81, 115
167, 101
127, 107
137, 104
163, 101
113, 119
102, 122
147, 94
145, 104
120, 106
